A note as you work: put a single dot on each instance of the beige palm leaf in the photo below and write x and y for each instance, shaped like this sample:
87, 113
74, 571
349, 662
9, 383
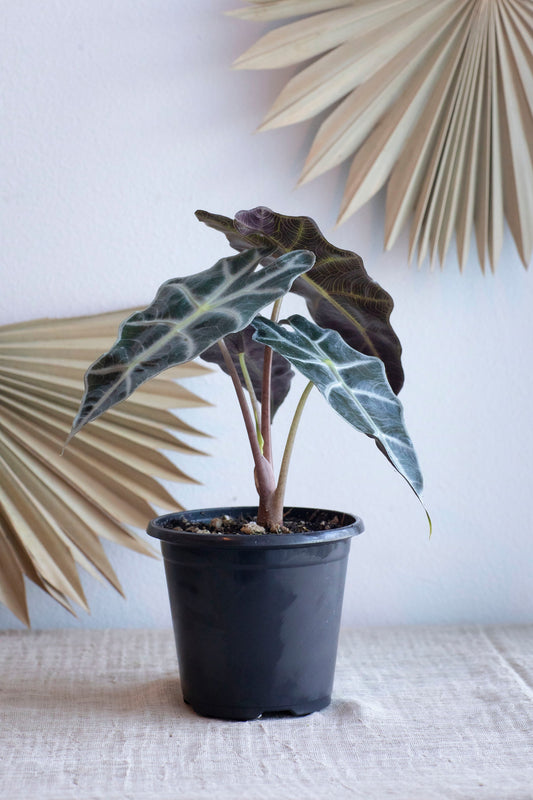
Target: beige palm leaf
54, 507
434, 99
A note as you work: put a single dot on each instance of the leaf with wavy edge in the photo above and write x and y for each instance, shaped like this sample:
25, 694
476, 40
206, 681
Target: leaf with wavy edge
354, 385
242, 343
187, 316
338, 290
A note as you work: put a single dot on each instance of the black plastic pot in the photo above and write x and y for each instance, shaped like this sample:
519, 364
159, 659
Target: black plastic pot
256, 617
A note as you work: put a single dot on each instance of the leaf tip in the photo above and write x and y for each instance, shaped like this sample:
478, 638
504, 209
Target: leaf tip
266, 125
430, 523
304, 178
74, 430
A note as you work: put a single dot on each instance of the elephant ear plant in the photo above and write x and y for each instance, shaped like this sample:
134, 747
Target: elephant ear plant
347, 349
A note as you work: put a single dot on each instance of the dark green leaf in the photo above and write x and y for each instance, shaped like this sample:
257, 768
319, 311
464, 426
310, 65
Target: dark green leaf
338, 290
354, 385
187, 316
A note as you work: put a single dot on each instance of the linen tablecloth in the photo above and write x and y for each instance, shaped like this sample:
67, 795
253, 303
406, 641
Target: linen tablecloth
418, 713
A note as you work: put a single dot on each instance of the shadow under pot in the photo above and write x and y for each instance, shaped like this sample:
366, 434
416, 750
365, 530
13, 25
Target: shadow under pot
256, 617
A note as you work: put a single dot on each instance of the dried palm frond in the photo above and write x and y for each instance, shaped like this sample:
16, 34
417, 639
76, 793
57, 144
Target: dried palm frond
435, 98
54, 507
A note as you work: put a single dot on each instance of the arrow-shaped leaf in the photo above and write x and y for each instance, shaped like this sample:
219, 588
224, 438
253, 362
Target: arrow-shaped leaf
354, 385
338, 290
242, 344
187, 316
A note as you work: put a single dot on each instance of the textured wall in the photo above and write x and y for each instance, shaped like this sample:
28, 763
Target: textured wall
119, 120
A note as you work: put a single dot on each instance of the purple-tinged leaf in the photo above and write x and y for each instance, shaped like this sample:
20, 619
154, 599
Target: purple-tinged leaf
242, 343
338, 290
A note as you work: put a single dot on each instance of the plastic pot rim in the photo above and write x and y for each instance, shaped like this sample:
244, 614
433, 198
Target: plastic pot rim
156, 528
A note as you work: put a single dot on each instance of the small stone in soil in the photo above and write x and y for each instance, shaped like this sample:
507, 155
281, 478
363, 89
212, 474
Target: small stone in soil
252, 527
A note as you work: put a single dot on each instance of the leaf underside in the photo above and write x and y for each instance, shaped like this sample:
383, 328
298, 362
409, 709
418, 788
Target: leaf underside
338, 290
253, 351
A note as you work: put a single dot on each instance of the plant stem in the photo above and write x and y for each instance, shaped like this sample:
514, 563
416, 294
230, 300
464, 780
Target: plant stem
255, 404
263, 469
266, 391
284, 470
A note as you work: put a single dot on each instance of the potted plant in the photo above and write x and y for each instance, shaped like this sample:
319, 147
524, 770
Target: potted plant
256, 592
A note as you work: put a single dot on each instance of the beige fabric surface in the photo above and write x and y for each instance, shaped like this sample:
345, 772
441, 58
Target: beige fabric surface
418, 713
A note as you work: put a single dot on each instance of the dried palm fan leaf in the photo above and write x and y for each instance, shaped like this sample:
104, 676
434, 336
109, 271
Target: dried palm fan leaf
54, 507
434, 99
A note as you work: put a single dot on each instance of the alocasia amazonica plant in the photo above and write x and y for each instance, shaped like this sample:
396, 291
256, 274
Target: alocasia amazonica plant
348, 349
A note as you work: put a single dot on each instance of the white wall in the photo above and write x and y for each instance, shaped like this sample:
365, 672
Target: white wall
120, 118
